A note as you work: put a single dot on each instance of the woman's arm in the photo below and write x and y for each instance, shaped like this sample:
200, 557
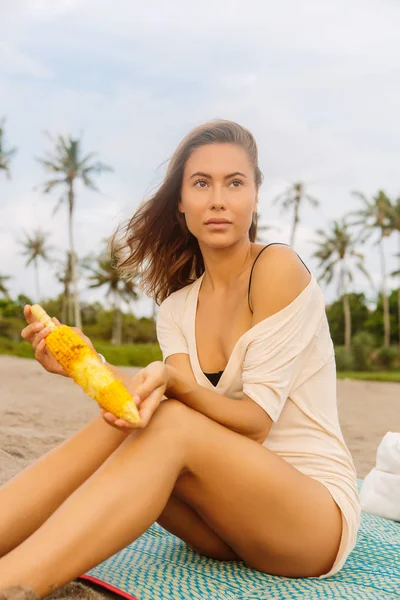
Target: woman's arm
243, 416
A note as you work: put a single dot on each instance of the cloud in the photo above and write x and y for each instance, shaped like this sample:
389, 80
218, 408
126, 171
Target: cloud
317, 83
14, 61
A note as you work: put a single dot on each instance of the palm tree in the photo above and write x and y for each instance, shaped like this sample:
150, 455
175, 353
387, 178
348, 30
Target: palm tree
3, 287
292, 198
375, 216
68, 166
395, 224
335, 248
105, 274
5, 155
36, 248
63, 276
263, 228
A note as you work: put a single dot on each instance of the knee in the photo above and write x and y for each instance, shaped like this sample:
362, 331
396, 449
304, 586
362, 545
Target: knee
173, 415
174, 411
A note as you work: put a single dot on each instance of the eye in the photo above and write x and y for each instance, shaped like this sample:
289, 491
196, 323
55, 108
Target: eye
237, 183
200, 181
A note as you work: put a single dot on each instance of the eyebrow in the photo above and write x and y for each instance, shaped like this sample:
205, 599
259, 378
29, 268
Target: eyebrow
201, 174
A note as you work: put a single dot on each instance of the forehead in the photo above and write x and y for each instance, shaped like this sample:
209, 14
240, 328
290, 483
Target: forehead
217, 159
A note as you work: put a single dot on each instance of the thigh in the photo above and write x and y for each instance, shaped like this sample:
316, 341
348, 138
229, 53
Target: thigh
183, 521
274, 517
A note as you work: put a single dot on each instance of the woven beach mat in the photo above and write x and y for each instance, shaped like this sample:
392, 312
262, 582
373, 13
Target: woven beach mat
159, 566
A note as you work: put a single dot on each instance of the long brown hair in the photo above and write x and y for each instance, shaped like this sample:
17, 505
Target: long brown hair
156, 243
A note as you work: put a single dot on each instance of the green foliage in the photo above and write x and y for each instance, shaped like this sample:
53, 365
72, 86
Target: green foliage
364, 357
374, 323
344, 360
393, 376
134, 355
22, 300
90, 312
53, 307
9, 309
13, 308
21, 348
362, 346
11, 328
386, 357
134, 330
335, 314
138, 331
6, 153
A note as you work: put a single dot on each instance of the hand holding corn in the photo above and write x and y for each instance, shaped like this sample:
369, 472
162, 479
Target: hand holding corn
82, 363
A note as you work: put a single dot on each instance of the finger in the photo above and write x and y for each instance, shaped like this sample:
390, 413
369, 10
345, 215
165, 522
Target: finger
28, 314
109, 416
122, 424
150, 404
39, 351
119, 424
40, 336
31, 330
56, 321
110, 423
146, 388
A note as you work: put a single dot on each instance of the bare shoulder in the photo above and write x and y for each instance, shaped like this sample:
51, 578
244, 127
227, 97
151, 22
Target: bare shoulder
279, 276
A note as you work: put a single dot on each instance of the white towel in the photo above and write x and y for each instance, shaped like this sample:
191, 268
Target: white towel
380, 491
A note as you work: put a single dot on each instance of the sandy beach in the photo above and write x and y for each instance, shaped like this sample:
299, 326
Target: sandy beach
39, 410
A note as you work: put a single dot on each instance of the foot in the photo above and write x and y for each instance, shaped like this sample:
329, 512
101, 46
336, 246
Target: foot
18, 593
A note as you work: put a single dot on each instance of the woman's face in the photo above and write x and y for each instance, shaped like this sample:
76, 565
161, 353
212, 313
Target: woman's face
218, 183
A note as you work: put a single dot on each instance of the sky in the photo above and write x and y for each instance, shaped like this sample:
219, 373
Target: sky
317, 83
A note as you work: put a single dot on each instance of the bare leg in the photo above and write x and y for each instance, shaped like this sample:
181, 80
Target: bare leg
113, 507
274, 517
29, 498
182, 520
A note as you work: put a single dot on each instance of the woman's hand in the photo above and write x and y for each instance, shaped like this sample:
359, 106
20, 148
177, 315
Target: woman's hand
35, 333
147, 388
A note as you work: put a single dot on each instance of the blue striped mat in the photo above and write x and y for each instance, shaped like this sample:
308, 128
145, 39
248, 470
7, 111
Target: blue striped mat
159, 566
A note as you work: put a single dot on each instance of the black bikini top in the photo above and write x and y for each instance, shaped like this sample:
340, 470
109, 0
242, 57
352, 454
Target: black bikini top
215, 377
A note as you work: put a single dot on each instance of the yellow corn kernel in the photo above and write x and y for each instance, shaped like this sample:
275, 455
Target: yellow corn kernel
83, 365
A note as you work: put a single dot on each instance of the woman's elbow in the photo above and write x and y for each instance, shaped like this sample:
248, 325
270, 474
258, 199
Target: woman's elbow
261, 429
259, 436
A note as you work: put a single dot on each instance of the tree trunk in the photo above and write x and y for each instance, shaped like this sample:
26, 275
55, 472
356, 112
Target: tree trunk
39, 297
70, 308
295, 221
385, 299
64, 301
77, 312
346, 308
347, 322
117, 321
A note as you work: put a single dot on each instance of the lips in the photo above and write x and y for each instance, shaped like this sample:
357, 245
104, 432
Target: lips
216, 222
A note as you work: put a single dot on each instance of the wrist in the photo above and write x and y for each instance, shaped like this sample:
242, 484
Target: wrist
171, 374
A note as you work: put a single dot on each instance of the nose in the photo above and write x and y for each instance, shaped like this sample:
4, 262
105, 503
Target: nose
217, 197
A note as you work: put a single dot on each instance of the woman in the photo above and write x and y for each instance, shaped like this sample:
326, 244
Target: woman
240, 451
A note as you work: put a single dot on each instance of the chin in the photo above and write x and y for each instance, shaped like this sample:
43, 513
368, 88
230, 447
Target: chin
221, 241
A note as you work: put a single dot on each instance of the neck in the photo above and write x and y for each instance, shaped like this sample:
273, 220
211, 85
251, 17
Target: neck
224, 266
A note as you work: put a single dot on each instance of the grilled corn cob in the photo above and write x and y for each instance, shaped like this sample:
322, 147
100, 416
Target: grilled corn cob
82, 363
